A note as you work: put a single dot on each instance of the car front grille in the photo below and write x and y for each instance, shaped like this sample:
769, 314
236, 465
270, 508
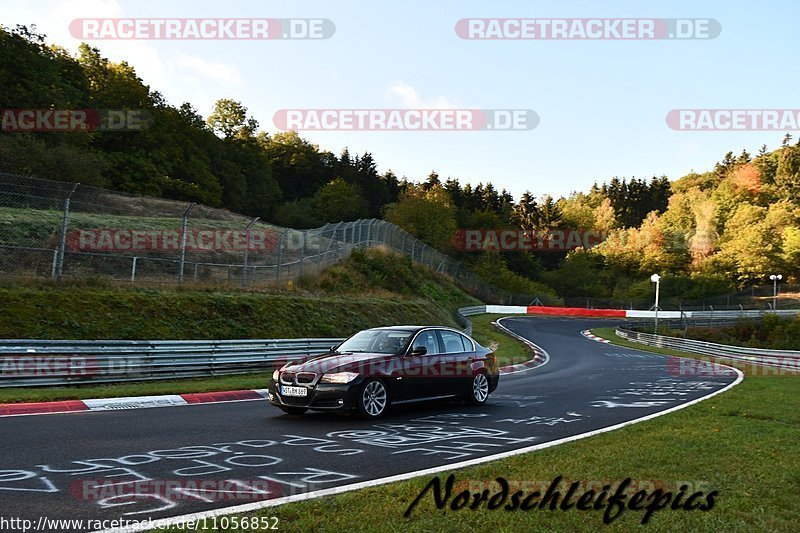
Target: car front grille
305, 378
299, 378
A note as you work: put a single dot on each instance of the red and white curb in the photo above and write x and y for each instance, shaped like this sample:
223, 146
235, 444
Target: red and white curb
540, 357
591, 336
543, 310
130, 402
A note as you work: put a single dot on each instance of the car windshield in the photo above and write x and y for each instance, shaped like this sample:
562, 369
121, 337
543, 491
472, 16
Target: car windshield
376, 341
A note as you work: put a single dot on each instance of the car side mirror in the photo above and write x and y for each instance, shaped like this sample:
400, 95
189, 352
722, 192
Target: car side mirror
333, 348
419, 350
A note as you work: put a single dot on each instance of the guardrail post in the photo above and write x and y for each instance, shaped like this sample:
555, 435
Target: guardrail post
184, 225
63, 244
247, 250
133, 269
55, 263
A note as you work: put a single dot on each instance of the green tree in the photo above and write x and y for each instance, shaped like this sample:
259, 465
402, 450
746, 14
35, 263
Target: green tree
339, 201
787, 175
300, 168
428, 215
230, 119
749, 249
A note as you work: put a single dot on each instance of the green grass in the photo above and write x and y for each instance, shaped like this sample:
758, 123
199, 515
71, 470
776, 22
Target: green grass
40, 227
508, 350
742, 443
116, 313
175, 386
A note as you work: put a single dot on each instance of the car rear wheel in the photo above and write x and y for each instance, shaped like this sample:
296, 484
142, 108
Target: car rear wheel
294, 411
479, 391
373, 399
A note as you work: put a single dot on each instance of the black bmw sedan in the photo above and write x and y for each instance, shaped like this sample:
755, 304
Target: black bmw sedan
379, 367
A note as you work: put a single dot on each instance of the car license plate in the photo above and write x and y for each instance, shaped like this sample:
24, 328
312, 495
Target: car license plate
294, 391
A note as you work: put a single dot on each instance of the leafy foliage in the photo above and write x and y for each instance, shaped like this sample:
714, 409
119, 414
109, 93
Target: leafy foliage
735, 224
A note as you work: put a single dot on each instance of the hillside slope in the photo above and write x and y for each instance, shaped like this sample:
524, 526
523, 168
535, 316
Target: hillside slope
371, 288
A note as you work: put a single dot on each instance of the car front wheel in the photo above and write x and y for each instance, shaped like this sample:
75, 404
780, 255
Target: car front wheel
373, 399
479, 391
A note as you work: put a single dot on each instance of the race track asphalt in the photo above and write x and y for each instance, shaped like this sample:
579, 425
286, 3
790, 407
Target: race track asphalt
49, 462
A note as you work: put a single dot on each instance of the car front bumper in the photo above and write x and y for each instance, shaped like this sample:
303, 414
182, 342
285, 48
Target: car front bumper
322, 396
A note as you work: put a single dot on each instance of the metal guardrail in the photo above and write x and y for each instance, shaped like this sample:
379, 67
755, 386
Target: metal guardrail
711, 318
26, 363
32, 363
742, 313
740, 353
465, 312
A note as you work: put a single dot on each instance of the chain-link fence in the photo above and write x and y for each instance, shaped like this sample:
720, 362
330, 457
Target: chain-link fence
59, 230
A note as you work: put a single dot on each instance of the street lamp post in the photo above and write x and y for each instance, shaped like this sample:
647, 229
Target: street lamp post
655, 278
775, 278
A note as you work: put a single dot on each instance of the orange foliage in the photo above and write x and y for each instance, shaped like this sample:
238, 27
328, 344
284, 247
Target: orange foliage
747, 178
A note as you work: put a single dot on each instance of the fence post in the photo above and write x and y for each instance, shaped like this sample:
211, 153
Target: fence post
303, 251
280, 257
55, 263
247, 250
133, 269
63, 244
184, 224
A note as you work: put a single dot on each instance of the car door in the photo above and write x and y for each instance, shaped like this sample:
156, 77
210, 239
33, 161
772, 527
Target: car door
456, 361
422, 378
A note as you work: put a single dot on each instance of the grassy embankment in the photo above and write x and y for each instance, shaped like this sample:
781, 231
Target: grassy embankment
369, 289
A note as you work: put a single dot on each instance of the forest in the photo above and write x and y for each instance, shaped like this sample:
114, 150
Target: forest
707, 233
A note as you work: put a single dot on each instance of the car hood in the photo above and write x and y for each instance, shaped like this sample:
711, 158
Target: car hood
340, 362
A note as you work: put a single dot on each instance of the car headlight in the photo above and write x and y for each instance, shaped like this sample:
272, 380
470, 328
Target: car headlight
339, 377
276, 374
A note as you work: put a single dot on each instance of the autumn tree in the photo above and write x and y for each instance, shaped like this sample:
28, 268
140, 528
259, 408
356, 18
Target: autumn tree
428, 215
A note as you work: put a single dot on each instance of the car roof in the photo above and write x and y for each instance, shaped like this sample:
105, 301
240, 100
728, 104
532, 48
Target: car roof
413, 328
